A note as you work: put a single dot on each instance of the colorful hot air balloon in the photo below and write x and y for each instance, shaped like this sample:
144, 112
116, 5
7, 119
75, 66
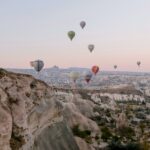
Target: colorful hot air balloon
138, 63
37, 65
91, 47
74, 76
95, 69
82, 24
88, 76
71, 35
115, 66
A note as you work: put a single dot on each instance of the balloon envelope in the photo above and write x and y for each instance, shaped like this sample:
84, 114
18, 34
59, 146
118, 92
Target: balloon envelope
115, 66
37, 65
74, 76
88, 76
91, 47
95, 69
138, 63
71, 35
82, 24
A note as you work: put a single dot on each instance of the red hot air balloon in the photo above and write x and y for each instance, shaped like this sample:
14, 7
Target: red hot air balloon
95, 69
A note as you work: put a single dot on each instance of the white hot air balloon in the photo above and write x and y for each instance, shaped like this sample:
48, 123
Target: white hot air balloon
37, 65
74, 76
82, 24
91, 47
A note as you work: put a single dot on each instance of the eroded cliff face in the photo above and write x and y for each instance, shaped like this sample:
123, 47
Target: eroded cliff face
31, 116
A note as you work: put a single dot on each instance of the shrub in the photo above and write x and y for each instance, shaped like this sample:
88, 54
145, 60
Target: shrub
98, 120
118, 146
108, 114
82, 134
127, 132
16, 142
2, 73
106, 134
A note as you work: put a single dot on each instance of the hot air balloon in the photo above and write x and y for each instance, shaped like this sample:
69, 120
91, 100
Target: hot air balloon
115, 66
71, 35
95, 69
74, 76
82, 24
138, 63
37, 65
88, 76
91, 47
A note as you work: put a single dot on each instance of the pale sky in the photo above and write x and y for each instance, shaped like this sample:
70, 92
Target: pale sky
37, 29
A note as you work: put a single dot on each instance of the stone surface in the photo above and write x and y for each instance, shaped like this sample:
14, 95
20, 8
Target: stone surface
55, 137
30, 115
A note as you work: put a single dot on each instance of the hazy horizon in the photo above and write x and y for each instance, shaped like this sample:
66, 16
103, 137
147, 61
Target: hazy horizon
37, 29
78, 68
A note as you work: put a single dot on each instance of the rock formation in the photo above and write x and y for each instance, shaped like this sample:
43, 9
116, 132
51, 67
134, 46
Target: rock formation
30, 116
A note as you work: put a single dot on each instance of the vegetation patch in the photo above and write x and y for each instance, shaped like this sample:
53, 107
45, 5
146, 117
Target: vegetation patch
82, 134
2, 73
16, 142
106, 134
120, 146
127, 132
84, 95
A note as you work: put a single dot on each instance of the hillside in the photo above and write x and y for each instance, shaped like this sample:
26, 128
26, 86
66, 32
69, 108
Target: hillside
35, 116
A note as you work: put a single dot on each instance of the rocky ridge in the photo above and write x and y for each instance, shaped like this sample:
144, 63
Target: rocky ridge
30, 113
